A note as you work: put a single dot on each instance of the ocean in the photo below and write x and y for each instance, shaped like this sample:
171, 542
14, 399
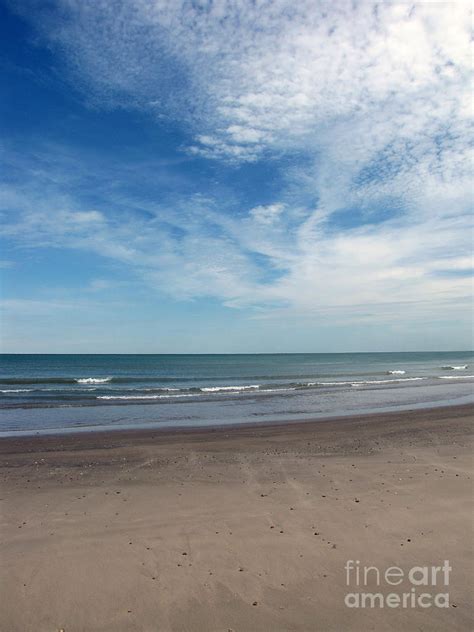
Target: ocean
63, 393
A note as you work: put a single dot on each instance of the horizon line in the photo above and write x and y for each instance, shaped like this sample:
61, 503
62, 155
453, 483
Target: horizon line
4, 353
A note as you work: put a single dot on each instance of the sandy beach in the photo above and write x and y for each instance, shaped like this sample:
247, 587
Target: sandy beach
244, 529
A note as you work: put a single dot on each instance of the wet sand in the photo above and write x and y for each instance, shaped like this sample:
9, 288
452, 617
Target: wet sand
235, 529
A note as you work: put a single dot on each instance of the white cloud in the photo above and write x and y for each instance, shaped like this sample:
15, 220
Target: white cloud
345, 83
266, 214
362, 272
375, 97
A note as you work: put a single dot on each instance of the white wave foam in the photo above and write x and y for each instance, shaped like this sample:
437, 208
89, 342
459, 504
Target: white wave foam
141, 397
362, 382
394, 381
229, 390
329, 383
93, 380
17, 390
216, 389
396, 372
462, 367
225, 390
455, 377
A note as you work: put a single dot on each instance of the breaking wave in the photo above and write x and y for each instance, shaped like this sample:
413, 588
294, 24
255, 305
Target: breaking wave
167, 393
216, 389
456, 377
55, 380
131, 397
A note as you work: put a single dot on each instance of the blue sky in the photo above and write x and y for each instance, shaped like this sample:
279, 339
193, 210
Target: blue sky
246, 176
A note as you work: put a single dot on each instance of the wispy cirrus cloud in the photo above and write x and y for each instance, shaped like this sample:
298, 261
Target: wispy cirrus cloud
272, 257
372, 102
377, 95
255, 75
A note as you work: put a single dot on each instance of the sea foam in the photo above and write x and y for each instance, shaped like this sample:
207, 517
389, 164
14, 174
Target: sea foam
455, 377
140, 397
216, 389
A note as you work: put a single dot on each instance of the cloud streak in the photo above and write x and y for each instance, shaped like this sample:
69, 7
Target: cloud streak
373, 101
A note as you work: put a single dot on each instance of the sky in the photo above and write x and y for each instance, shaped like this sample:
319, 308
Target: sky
235, 176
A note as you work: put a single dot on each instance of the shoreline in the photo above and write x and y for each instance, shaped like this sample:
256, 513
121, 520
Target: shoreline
115, 437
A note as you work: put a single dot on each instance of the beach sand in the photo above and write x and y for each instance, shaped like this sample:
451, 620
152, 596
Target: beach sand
235, 529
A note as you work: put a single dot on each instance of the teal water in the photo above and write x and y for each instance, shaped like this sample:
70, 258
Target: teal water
65, 392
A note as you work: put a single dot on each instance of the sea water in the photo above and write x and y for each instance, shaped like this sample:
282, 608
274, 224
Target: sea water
60, 393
